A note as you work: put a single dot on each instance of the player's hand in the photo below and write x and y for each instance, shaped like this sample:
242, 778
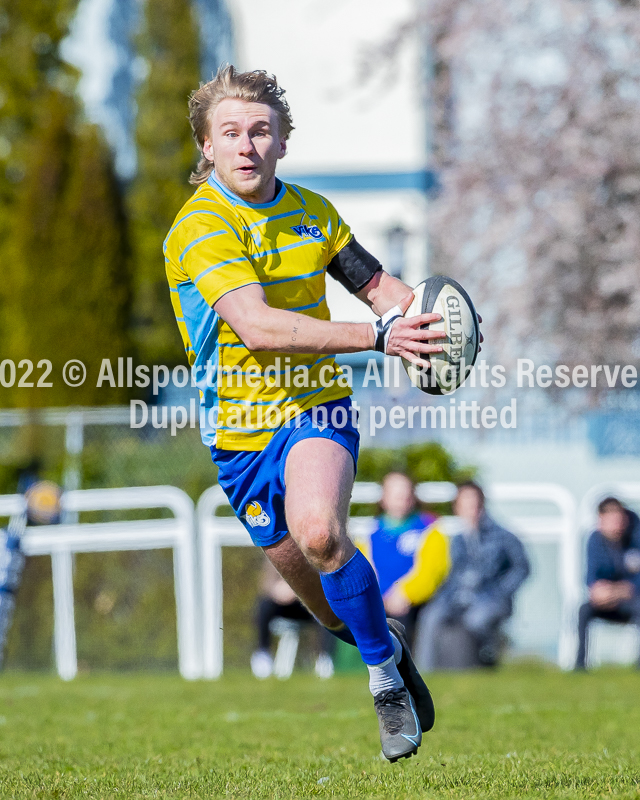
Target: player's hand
395, 603
408, 340
624, 590
282, 593
603, 595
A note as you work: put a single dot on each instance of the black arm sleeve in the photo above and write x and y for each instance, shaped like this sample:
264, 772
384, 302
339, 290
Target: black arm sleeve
353, 267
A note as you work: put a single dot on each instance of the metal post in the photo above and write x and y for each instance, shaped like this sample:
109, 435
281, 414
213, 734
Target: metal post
64, 632
212, 609
74, 443
570, 582
568, 560
62, 541
184, 574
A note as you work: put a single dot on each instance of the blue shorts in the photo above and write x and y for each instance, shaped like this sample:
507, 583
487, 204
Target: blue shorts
254, 480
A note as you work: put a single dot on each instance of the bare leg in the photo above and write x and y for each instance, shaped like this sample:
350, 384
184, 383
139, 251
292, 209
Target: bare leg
318, 477
287, 558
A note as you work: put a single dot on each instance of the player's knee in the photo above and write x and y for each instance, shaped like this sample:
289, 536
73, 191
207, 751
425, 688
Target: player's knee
319, 539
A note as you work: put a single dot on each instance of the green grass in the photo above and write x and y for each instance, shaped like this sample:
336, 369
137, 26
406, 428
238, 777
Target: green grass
524, 731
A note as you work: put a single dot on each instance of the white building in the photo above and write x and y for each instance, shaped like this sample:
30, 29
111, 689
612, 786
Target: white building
360, 131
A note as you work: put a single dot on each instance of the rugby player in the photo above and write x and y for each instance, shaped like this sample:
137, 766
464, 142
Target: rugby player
246, 260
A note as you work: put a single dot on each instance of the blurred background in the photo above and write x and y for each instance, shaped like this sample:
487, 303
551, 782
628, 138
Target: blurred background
496, 142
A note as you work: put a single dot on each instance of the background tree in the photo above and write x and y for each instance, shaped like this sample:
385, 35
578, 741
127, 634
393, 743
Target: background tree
535, 131
30, 67
166, 156
66, 286
537, 136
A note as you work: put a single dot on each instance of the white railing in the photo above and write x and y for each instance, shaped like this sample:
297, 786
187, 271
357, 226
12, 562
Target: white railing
216, 532
62, 541
559, 528
12, 505
203, 581
213, 533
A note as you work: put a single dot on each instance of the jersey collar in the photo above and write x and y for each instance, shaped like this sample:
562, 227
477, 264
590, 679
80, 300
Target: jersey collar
238, 201
400, 526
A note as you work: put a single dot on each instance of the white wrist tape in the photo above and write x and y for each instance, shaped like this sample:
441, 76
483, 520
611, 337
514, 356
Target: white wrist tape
382, 328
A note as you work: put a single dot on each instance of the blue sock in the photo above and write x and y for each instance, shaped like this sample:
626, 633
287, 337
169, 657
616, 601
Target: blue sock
344, 634
354, 596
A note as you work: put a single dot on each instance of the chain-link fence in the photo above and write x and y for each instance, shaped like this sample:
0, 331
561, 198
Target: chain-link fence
125, 605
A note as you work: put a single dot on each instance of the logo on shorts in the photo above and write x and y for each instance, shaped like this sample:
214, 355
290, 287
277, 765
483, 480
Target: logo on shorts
308, 232
255, 515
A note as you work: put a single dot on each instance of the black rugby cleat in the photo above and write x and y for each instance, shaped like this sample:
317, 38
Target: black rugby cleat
413, 680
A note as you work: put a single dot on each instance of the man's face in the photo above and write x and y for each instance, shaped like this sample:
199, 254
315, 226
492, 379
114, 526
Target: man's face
398, 498
245, 145
612, 522
468, 506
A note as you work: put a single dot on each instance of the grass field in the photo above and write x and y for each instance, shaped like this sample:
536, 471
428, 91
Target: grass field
524, 732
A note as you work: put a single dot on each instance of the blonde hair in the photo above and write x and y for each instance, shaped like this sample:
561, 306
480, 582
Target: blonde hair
252, 87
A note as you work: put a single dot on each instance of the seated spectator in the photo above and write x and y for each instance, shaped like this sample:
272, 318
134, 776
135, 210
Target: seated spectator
488, 565
410, 558
277, 599
613, 572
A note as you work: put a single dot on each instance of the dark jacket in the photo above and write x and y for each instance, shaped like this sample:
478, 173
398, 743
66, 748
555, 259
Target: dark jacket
492, 562
612, 561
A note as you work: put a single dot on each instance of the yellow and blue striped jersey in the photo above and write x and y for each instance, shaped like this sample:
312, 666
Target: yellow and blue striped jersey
218, 243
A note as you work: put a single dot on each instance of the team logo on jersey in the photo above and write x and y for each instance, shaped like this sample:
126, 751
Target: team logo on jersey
308, 232
408, 542
255, 515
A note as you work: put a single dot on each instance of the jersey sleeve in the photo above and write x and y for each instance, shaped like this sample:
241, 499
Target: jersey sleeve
430, 568
338, 231
215, 257
364, 546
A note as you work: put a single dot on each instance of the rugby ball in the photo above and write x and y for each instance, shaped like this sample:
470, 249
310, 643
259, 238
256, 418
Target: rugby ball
459, 324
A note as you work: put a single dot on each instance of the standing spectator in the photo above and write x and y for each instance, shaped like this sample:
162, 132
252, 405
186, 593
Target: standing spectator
43, 503
613, 572
410, 558
11, 565
43, 508
488, 565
